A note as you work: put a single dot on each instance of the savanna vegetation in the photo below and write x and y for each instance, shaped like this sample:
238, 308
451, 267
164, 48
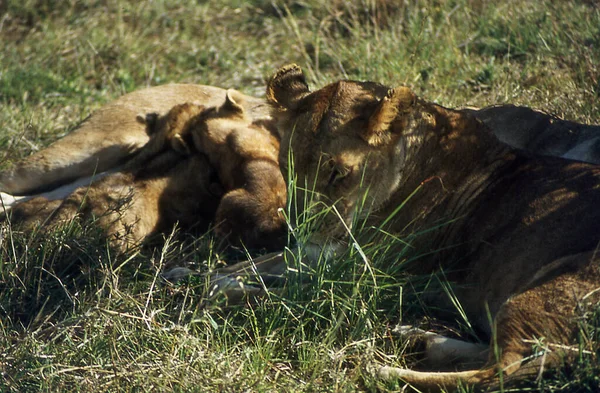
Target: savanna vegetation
74, 316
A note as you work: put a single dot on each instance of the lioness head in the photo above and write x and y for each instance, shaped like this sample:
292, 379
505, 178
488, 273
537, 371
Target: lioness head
342, 143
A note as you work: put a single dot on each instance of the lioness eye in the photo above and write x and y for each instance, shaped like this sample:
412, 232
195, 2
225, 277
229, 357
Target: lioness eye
337, 174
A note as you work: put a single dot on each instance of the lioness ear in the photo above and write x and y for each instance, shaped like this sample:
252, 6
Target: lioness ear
287, 87
232, 103
395, 102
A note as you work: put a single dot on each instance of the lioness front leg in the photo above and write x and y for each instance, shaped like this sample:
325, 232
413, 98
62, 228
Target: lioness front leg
443, 352
249, 279
7, 201
258, 276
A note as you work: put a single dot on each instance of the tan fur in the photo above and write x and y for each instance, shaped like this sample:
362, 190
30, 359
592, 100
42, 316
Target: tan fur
109, 137
132, 205
172, 180
520, 232
245, 155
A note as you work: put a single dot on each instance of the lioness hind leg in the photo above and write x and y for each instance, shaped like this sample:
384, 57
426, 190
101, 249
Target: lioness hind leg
510, 370
546, 311
436, 381
508, 363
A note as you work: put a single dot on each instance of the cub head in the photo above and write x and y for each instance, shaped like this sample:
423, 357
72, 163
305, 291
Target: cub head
341, 143
175, 129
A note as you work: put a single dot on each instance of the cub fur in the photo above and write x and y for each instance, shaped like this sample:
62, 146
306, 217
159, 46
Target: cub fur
134, 204
244, 154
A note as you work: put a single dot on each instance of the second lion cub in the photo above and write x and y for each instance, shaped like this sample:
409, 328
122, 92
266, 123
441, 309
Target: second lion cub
244, 154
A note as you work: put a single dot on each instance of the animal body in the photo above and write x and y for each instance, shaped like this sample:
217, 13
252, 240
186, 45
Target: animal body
244, 154
516, 234
131, 205
144, 190
541, 133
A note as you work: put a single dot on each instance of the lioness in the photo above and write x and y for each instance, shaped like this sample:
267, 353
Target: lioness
244, 154
519, 233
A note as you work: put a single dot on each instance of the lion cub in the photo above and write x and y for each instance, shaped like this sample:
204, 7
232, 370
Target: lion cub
244, 154
131, 205
201, 165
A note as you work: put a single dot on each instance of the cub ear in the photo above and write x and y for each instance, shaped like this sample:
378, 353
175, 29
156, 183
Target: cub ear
148, 119
179, 144
397, 101
232, 103
287, 87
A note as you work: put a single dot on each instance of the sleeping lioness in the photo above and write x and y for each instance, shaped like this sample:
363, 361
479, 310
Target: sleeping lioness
519, 233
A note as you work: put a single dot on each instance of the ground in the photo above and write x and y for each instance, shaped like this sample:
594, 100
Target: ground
76, 317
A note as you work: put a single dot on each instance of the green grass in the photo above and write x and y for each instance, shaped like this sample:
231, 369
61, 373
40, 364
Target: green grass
76, 317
